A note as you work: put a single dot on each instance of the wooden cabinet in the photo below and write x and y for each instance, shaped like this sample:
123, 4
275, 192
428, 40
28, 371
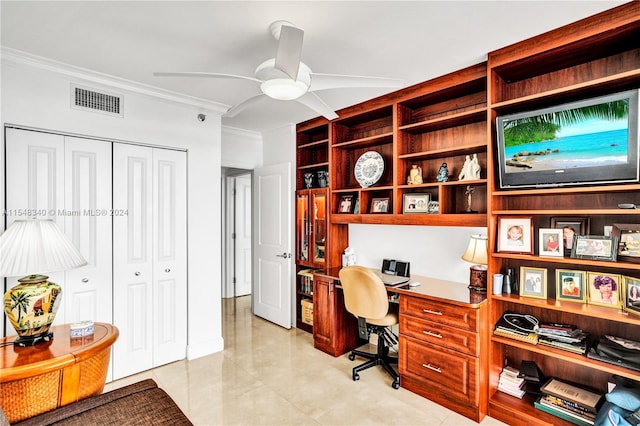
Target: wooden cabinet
311, 227
596, 56
440, 350
424, 126
335, 331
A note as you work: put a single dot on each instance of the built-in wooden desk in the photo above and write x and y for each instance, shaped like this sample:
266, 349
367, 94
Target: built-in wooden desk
443, 342
40, 378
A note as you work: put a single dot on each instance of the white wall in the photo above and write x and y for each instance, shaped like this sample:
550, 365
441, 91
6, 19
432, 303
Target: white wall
433, 251
241, 149
36, 94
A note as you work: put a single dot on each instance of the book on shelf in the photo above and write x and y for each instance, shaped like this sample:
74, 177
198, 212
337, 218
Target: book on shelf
510, 383
582, 397
564, 414
578, 347
568, 405
528, 337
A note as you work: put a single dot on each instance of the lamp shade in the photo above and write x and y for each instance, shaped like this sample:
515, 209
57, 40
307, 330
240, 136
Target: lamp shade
477, 251
36, 246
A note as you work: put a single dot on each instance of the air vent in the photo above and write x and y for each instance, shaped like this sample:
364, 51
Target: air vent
96, 101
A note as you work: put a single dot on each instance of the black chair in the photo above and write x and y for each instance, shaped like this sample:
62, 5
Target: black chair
365, 296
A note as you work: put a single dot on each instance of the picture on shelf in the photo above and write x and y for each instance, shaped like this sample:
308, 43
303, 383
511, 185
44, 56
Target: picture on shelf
550, 242
533, 282
571, 285
631, 299
604, 289
416, 203
628, 237
571, 226
380, 205
515, 234
346, 204
597, 247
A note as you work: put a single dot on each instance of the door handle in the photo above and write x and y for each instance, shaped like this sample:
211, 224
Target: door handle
284, 255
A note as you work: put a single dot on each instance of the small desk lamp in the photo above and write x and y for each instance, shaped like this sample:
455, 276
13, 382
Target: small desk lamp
28, 247
477, 253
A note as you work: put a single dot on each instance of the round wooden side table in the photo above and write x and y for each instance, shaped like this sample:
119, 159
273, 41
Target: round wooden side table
43, 377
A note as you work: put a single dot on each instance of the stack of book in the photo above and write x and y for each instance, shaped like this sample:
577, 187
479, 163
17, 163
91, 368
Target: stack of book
510, 382
512, 326
567, 337
572, 403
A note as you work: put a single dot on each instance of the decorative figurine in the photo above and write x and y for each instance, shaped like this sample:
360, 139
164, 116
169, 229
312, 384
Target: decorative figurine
415, 175
475, 167
308, 180
443, 173
468, 193
323, 179
470, 168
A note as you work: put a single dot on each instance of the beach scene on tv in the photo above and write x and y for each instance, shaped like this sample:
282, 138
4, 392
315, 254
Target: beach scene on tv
594, 135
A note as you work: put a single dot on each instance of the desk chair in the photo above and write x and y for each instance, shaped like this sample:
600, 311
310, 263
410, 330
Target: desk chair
365, 297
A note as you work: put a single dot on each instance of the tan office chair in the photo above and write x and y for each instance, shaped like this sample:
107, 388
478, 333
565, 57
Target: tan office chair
365, 296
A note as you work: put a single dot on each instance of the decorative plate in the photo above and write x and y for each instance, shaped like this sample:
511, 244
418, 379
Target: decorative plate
369, 168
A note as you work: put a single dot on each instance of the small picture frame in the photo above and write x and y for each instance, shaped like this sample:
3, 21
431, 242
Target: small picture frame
571, 226
550, 242
356, 209
346, 204
515, 234
380, 205
571, 285
597, 247
631, 299
416, 203
604, 289
628, 237
533, 282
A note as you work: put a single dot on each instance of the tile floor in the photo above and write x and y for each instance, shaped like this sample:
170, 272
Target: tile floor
268, 375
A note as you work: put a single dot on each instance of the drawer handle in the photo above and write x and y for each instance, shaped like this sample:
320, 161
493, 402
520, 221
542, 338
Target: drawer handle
428, 311
431, 333
431, 367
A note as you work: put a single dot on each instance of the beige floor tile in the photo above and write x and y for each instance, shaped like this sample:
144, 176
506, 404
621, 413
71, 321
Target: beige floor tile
268, 375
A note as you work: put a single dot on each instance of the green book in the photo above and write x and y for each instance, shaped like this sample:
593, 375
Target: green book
563, 414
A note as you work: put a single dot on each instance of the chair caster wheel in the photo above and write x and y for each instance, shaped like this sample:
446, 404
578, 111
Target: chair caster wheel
356, 377
396, 384
352, 357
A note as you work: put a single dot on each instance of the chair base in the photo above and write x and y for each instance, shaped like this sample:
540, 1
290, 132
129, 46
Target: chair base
381, 357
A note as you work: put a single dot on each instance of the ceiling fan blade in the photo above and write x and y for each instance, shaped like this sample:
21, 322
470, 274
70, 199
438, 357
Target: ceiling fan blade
314, 102
243, 105
289, 50
204, 74
336, 81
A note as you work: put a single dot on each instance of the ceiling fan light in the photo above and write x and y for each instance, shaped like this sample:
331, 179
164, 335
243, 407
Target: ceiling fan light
283, 89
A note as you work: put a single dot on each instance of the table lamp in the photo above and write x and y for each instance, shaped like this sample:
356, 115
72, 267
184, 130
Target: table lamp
32, 247
476, 253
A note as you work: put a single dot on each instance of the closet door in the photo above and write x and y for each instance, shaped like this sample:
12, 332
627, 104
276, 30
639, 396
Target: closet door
132, 259
169, 256
150, 286
51, 176
88, 290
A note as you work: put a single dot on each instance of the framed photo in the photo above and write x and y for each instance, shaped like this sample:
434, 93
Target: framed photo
533, 282
356, 209
571, 285
550, 242
631, 299
628, 237
515, 234
604, 289
346, 204
598, 247
571, 226
416, 203
380, 205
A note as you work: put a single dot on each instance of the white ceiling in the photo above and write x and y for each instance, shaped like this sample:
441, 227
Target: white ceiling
413, 40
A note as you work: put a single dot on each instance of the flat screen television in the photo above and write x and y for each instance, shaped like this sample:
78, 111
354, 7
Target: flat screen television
588, 142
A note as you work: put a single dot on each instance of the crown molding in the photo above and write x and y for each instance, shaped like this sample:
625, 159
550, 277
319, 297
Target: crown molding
17, 57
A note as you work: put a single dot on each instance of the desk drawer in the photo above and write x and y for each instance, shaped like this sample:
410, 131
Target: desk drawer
441, 371
439, 334
439, 312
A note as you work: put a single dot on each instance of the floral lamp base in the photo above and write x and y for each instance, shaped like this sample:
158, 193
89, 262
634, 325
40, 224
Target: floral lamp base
31, 307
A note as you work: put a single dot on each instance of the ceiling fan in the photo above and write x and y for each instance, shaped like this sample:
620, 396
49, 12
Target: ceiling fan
285, 77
